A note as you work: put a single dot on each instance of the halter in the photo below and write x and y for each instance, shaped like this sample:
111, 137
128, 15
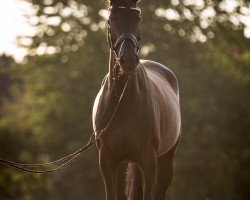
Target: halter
120, 41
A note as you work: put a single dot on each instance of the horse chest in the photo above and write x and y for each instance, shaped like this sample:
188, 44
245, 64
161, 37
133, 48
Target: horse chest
131, 123
126, 143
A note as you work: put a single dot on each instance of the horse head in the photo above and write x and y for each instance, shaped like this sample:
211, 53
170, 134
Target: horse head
124, 34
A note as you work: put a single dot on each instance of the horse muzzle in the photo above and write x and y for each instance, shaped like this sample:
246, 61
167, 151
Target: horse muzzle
126, 66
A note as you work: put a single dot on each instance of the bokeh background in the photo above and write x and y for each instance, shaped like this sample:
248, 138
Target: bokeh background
49, 80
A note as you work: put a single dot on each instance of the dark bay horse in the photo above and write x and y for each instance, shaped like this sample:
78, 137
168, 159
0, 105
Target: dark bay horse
145, 128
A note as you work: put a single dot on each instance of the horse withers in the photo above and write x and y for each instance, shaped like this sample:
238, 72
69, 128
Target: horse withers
138, 106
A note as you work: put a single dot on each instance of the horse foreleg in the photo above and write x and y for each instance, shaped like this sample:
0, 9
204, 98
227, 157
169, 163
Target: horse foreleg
149, 172
165, 172
133, 182
108, 172
121, 179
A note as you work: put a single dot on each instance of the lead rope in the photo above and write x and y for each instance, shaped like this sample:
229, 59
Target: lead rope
69, 158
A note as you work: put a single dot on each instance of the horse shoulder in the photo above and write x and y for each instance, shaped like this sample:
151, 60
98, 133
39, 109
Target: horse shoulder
164, 71
165, 105
98, 106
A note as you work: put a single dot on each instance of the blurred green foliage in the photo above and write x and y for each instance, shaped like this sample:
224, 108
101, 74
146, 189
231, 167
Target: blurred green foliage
46, 102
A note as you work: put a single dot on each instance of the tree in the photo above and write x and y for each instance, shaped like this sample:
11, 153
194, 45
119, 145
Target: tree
201, 41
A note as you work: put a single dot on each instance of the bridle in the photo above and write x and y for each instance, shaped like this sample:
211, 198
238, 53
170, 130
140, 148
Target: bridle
114, 45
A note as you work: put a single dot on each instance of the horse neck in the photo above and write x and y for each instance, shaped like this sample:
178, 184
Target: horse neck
118, 84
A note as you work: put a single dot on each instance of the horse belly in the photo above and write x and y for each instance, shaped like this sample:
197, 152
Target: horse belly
167, 117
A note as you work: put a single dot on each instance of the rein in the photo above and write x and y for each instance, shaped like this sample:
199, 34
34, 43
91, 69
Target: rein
69, 158
64, 161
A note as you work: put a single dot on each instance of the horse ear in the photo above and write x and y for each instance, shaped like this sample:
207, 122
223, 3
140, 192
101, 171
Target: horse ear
111, 2
135, 2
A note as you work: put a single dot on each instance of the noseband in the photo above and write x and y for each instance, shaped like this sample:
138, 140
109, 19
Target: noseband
114, 45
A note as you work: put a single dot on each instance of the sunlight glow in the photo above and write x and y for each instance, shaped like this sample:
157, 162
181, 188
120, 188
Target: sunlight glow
247, 32
209, 12
198, 3
169, 13
229, 5
13, 24
104, 13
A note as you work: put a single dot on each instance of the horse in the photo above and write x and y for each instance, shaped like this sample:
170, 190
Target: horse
138, 107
